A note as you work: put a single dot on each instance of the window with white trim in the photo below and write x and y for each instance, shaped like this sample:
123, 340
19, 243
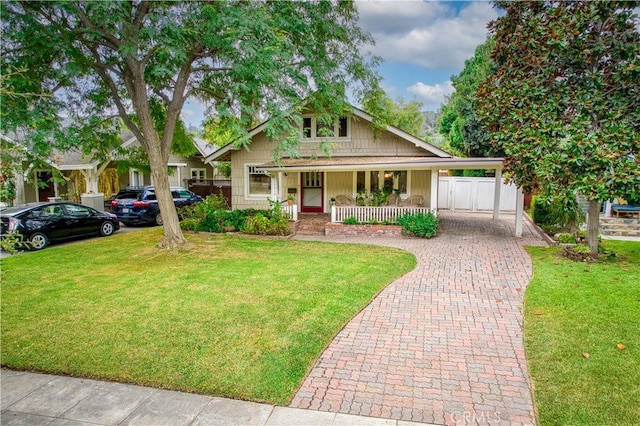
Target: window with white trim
257, 182
199, 174
314, 128
385, 180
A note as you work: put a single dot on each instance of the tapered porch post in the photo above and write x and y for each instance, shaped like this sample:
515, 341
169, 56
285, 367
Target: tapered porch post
519, 211
496, 194
433, 203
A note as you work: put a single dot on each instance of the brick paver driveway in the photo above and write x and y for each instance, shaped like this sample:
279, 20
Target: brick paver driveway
442, 344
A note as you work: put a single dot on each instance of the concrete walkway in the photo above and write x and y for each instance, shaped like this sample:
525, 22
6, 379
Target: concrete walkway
441, 345
42, 399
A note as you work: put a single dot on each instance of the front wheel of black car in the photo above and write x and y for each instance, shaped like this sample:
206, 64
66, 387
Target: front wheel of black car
159, 219
106, 228
38, 241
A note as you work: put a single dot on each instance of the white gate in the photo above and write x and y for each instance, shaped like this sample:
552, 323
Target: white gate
474, 194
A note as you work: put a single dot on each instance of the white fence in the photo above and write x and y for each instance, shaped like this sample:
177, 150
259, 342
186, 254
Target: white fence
474, 194
365, 213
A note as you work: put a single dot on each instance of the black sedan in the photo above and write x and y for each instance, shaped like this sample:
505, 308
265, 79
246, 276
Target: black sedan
45, 222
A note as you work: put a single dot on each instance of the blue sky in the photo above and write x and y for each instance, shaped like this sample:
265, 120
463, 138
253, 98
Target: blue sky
422, 43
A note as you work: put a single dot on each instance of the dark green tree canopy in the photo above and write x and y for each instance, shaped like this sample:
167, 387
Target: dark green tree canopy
458, 122
113, 64
564, 104
405, 115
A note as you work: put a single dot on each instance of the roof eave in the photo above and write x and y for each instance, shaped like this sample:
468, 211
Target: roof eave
453, 163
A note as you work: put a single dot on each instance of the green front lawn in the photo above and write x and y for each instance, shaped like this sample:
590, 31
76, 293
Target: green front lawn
576, 315
230, 316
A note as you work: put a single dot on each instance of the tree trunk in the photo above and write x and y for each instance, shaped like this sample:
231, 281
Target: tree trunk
172, 233
593, 224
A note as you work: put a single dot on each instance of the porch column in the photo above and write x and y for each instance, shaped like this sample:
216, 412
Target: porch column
519, 211
91, 179
280, 196
496, 194
433, 203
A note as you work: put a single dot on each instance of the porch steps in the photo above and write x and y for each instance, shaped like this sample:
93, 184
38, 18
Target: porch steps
620, 227
312, 224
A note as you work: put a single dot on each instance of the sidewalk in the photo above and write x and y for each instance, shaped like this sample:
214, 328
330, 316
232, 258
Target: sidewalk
43, 399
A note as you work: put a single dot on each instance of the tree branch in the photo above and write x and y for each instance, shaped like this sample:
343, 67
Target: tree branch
102, 70
114, 41
141, 12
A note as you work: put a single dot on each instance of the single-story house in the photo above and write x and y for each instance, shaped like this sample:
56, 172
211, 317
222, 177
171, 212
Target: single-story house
360, 165
35, 183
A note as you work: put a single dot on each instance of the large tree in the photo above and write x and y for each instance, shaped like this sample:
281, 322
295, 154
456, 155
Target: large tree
564, 103
135, 63
458, 121
405, 115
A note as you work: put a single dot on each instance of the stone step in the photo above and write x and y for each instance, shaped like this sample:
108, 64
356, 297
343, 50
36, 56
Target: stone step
613, 220
620, 227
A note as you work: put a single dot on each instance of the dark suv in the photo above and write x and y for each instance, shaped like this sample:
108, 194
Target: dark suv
138, 205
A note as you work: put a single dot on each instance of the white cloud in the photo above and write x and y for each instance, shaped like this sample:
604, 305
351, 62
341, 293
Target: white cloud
430, 34
431, 95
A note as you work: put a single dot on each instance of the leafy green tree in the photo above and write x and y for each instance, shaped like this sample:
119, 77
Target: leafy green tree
564, 103
405, 115
134, 64
458, 122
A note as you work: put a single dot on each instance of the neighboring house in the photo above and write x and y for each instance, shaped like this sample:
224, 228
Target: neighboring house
359, 165
35, 183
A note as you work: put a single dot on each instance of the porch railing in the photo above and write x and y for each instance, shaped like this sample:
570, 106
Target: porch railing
366, 213
291, 210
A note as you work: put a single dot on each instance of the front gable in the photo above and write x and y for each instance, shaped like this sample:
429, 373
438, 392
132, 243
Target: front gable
352, 136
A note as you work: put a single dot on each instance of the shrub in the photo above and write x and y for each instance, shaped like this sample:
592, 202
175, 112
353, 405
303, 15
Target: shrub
540, 211
189, 224
566, 238
267, 223
419, 224
14, 243
473, 173
237, 218
350, 221
562, 211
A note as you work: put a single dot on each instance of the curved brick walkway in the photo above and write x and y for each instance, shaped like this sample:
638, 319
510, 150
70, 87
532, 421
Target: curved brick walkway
442, 344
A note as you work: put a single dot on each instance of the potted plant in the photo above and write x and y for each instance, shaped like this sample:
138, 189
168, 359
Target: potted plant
290, 199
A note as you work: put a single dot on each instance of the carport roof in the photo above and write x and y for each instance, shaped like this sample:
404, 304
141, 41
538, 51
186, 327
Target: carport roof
368, 163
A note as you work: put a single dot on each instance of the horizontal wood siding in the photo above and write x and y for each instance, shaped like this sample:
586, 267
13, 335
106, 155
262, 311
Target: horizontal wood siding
421, 185
338, 183
261, 150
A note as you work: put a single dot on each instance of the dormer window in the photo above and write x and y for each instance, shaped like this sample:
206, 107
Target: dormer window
313, 129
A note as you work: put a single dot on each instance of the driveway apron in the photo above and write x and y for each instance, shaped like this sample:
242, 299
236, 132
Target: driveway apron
442, 344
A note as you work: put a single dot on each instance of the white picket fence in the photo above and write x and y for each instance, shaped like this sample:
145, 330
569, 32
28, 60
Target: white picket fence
366, 213
474, 194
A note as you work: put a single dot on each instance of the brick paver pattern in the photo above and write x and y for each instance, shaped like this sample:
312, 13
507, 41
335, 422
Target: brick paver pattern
442, 344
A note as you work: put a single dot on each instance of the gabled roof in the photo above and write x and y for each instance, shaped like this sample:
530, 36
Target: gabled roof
223, 154
204, 147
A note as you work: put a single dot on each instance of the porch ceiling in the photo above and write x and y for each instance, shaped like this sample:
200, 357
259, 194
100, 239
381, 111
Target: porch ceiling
367, 163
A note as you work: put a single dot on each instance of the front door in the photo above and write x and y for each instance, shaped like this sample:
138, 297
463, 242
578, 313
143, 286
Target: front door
45, 186
312, 192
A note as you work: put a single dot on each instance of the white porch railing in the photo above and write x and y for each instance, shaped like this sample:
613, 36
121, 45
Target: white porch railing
291, 210
365, 213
